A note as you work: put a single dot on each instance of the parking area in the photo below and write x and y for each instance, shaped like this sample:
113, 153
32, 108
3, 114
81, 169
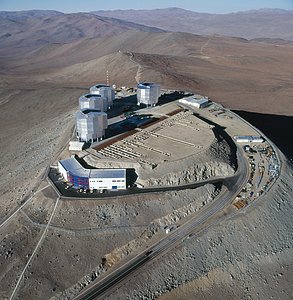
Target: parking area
264, 166
264, 169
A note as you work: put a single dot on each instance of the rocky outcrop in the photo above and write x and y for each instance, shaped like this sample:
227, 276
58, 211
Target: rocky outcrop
248, 257
216, 161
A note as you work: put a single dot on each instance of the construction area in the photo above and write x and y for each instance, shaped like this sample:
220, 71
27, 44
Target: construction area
264, 168
178, 154
153, 149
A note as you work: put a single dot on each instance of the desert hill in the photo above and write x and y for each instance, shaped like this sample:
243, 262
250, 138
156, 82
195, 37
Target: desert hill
48, 60
20, 33
268, 23
58, 55
234, 71
28, 14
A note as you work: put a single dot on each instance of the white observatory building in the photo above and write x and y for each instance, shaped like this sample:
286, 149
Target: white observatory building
90, 125
105, 91
148, 93
91, 101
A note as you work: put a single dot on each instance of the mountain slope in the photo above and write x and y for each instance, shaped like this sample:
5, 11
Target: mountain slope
27, 32
263, 23
28, 14
59, 55
241, 74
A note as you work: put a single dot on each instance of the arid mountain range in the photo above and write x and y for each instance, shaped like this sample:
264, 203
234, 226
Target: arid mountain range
49, 59
268, 23
24, 31
48, 50
78, 49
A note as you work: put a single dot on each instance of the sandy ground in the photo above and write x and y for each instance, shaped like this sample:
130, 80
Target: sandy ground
33, 132
79, 239
82, 233
249, 256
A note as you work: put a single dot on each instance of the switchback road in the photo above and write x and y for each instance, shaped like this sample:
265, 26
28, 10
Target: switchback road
234, 186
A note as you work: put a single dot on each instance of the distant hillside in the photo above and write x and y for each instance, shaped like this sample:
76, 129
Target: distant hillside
21, 32
59, 55
263, 23
27, 14
78, 50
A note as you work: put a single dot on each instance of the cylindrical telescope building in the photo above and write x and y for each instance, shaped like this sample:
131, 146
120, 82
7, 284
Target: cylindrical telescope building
148, 93
90, 125
91, 101
105, 91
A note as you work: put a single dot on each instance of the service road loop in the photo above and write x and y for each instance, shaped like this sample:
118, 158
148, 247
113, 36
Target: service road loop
35, 250
7, 219
109, 282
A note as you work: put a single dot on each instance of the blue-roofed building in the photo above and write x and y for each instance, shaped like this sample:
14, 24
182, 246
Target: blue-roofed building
100, 179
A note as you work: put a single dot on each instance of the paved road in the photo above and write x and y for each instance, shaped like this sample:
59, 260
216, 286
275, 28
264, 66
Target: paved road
73, 194
234, 186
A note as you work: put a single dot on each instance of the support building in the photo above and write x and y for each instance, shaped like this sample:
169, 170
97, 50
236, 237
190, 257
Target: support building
248, 139
100, 179
193, 101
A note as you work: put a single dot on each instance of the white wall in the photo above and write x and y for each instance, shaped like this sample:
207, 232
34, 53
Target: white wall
107, 183
62, 171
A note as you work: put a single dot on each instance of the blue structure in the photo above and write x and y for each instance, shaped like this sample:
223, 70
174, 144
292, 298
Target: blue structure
80, 177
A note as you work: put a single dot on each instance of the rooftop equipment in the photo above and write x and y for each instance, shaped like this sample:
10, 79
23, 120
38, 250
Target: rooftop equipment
192, 101
76, 146
92, 101
148, 93
90, 125
105, 91
248, 139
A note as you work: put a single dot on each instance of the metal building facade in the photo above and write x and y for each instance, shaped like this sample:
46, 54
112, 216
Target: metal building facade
148, 93
105, 91
78, 176
110, 179
248, 139
90, 125
198, 103
92, 101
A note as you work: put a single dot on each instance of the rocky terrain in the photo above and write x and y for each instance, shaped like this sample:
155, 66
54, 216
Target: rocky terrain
87, 236
248, 256
262, 23
39, 126
217, 161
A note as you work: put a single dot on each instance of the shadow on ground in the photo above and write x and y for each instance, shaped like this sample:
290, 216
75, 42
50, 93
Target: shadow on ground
277, 128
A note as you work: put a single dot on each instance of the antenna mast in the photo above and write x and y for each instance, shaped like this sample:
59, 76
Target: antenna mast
107, 75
